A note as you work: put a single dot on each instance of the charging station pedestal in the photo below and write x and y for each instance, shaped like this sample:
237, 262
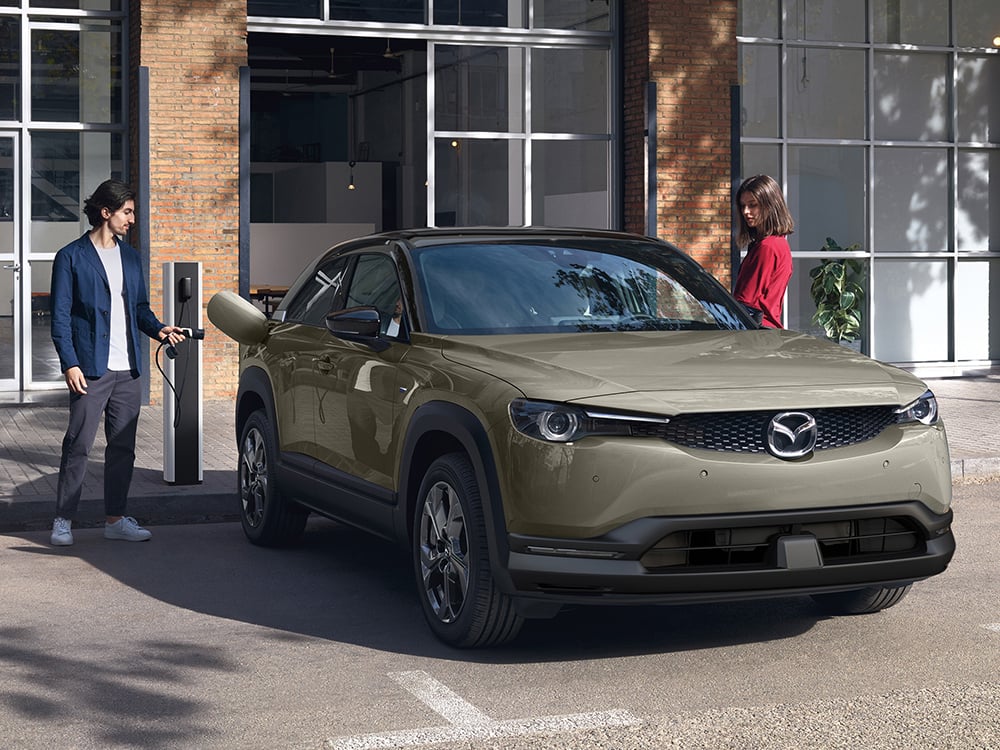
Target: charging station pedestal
182, 412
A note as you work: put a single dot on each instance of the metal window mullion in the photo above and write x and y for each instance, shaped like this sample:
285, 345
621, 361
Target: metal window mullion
479, 135
527, 217
952, 206
783, 129
71, 24
78, 127
431, 135
21, 216
615, 156
869, 180
494, 36
782, 91
25, 69
74, 14
126, 100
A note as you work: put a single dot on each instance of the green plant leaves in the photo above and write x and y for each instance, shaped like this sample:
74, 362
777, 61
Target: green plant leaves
838, 292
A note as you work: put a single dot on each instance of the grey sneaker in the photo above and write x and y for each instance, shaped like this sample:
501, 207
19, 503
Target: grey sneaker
127, 530
61, 534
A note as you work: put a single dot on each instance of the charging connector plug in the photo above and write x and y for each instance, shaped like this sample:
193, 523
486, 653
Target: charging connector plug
188, 333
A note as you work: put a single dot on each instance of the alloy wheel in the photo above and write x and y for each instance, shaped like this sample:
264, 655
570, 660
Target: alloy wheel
253, 477
444, 551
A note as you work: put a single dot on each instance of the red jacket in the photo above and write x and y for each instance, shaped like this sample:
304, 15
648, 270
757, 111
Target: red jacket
763, 277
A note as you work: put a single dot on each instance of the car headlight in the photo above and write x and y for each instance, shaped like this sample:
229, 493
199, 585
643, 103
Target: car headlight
923, 410
563, 423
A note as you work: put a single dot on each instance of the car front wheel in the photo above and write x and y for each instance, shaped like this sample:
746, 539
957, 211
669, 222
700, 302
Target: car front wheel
459, 596
268, 518
861, 601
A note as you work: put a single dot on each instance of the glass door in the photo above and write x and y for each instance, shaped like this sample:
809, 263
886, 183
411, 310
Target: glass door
28, 359
10, 266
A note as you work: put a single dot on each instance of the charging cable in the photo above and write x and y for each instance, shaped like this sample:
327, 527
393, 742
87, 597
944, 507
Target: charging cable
171, 353
183, 294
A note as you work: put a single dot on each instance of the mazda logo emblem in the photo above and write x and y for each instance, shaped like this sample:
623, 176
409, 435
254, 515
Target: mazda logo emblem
791, 434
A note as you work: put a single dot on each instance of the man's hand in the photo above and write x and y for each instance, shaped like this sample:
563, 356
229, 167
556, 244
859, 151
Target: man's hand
75, 380
171, 334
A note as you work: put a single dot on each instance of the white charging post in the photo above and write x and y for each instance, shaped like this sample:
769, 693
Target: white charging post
182, 408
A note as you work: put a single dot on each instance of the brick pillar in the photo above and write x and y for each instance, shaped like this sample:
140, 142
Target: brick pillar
689, 50
193, 50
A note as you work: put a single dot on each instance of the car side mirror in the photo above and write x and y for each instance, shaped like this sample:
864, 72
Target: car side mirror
360, 324
757, 316
237, 318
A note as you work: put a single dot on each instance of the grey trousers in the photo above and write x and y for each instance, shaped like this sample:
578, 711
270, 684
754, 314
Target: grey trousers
116, 395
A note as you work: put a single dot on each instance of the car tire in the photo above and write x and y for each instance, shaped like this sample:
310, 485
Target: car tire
269, 519
458, 594
862, 601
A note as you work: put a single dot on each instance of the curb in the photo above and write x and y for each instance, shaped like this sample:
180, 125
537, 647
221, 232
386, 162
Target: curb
963, 469
35, 514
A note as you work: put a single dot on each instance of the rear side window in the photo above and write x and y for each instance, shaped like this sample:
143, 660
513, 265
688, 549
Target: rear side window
321, 294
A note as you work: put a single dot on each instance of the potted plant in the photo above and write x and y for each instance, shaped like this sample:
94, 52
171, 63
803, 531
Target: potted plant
838, 292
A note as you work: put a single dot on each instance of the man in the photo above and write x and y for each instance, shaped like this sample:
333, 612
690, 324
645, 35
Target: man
99, 305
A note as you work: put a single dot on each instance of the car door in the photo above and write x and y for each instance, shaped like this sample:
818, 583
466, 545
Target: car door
295, 346
354, 431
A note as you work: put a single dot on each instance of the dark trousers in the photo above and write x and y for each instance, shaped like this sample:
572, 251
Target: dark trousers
117, 396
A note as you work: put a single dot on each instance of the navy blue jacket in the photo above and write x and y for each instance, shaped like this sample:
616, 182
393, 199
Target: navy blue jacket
80, 302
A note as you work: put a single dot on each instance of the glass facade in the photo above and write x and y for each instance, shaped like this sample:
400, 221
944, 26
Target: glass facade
405, 114
63, 131
882, 122
880, 118
76, 72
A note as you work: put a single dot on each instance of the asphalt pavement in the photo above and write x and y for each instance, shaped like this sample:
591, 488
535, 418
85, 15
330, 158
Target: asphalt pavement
31, 435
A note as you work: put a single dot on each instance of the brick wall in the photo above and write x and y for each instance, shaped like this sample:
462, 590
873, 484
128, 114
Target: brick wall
689, 50
193, 50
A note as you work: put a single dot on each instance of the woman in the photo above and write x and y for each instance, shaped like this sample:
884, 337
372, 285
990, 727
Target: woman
764, 223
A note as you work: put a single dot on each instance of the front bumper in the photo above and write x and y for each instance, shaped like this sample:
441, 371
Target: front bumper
587, 489
738, 556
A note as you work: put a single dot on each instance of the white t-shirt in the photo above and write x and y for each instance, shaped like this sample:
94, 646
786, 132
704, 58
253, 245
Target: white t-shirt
118, 358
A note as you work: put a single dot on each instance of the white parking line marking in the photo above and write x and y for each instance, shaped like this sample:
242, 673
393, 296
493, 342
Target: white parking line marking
441, 699
994, 626
469, 723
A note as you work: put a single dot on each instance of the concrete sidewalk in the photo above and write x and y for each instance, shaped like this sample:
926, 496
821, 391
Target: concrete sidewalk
31, 434
30, 440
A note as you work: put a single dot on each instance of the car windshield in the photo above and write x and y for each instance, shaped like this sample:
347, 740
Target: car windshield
532, 287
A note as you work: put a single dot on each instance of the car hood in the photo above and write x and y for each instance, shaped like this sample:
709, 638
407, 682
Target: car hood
686, 371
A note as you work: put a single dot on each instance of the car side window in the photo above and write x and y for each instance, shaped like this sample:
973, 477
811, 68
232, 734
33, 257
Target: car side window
318, 297
375, 284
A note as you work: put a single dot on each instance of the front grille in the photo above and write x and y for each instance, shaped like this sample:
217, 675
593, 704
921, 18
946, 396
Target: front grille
745, 431
752, 547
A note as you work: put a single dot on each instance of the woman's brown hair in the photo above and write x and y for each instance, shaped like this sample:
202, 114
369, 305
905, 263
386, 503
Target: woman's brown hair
775, 217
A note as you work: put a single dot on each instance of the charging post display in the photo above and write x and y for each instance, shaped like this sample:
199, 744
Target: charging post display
182, 387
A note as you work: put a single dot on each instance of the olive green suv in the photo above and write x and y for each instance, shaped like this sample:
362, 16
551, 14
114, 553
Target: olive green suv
552, 417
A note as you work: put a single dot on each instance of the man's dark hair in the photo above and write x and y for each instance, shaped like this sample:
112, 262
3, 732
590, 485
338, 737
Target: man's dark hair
110, 194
